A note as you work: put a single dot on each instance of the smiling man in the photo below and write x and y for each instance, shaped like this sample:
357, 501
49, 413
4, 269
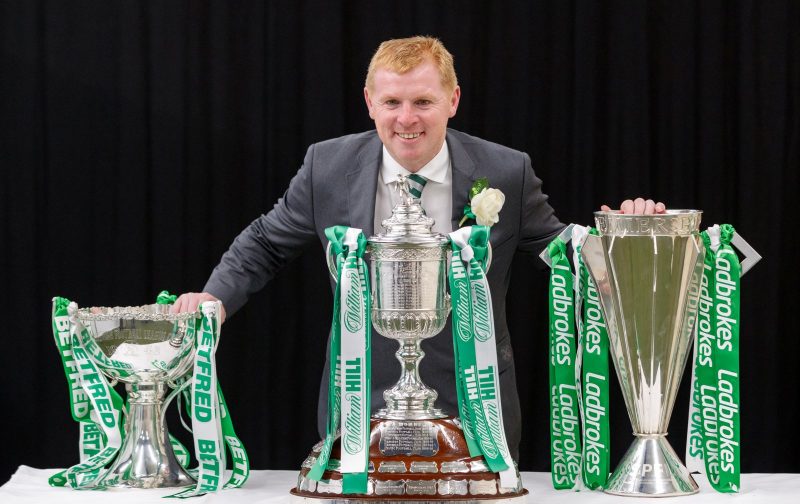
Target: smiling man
411, 92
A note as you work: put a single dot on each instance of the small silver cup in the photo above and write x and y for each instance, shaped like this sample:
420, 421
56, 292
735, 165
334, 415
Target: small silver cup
147, 348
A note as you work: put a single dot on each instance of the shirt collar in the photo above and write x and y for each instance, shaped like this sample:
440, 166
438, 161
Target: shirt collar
434, 171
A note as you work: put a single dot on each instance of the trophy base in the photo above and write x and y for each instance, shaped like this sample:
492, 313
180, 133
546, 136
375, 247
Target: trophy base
410, 461
297, 498
146, 458
651, 468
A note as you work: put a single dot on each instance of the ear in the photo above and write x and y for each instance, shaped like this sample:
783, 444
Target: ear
368, 101
454, 100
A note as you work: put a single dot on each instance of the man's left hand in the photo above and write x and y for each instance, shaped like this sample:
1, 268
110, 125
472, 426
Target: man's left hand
638, 206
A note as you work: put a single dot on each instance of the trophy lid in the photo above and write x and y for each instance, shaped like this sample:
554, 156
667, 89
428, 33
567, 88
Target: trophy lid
408, 224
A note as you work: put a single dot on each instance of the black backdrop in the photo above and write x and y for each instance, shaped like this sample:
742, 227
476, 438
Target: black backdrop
139, 138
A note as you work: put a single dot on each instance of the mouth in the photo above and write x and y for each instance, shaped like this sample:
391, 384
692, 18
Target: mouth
409, 136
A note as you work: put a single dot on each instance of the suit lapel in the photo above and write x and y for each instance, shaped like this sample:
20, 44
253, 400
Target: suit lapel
463, 177
362, 182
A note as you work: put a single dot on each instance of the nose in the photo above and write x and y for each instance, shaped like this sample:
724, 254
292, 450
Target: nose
407, 115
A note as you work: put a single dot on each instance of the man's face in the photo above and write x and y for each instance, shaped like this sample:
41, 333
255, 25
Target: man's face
410, 111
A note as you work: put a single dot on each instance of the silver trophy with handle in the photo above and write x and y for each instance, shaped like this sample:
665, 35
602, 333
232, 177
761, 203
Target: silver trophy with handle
417, 452
147, 348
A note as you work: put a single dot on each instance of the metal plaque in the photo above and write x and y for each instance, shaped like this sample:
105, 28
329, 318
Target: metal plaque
409, 438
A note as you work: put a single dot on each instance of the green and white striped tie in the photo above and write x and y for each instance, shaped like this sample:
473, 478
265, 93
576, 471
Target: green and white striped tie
415, 185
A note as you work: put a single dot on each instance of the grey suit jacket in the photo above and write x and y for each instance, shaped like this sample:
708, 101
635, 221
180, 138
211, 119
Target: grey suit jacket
336, 186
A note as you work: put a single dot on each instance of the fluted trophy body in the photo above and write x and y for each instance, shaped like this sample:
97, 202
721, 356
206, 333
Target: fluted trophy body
647, 270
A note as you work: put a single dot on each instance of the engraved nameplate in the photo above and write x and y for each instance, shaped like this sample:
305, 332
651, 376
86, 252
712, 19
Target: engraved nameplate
409, 438
485, 487
392, 466
458, 466
419, 466
452, 487
421, 487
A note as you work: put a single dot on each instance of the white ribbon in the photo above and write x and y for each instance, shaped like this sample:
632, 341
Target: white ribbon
353, 320
206, 421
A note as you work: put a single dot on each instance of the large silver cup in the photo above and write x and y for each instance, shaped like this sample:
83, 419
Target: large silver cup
147, 348
417, 453
409, 304
647, 269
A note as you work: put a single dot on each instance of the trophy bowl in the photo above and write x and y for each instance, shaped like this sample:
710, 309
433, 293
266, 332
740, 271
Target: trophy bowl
409, 305
148, 349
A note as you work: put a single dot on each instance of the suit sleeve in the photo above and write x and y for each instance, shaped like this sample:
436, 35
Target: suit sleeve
267, 244
538, 221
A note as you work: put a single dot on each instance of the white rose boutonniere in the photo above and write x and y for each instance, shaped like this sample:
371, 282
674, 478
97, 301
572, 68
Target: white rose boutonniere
485, 204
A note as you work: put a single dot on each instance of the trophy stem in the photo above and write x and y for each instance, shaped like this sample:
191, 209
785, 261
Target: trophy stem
146, 459
651, 468
410, 399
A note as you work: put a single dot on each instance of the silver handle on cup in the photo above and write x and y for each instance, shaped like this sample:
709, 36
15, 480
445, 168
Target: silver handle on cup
331, 263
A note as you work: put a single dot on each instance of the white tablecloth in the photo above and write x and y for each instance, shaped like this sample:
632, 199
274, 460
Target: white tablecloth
29, 485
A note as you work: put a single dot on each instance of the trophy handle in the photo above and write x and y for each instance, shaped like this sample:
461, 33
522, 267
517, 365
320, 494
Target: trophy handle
331, 263
751, 257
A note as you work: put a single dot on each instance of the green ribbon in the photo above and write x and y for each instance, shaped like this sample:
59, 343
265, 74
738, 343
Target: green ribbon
565, 443
107, 405
718, 366
351, 318
477, 372
714, 427
240, 471
705, 393
213, 430
462, 339
728, 273
473, 420
164, 297
92, 440
594, 383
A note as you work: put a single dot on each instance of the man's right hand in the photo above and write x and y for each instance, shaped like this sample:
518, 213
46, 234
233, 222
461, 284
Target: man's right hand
191, 300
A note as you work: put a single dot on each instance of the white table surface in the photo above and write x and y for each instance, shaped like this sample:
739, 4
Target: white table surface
29, 485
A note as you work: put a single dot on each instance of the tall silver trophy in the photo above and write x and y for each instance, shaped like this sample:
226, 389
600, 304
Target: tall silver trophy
647, 269
147, 348
408, 269
417, 452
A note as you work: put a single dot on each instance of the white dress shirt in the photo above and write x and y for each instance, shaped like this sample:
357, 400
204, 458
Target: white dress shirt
437, 196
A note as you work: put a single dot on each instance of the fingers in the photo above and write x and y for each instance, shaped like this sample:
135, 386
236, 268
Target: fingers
626, 207
639, 206
605, 208
189, 302
179, 305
